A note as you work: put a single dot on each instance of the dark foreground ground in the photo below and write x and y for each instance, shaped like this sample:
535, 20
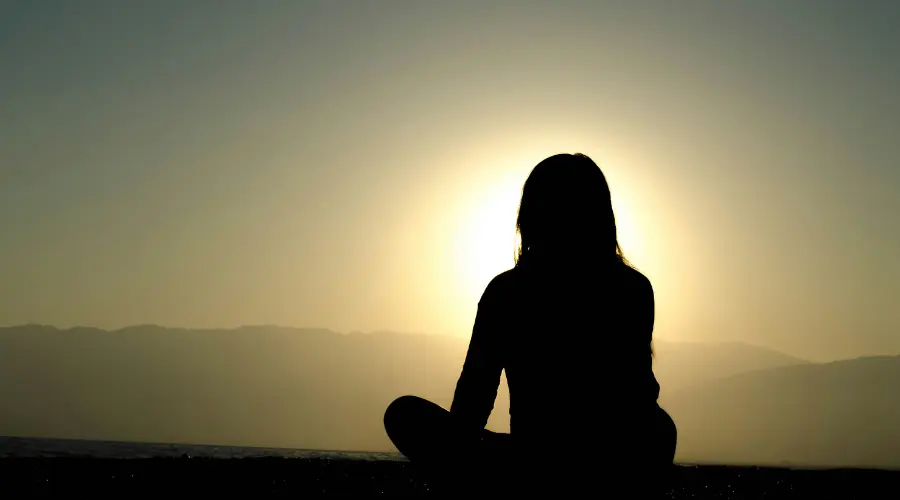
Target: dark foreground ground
74, 477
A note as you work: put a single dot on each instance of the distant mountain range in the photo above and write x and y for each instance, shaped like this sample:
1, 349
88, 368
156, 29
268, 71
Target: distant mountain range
316, 389
844, 413
679, 365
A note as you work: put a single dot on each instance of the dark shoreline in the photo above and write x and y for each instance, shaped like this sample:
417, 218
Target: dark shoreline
277, 477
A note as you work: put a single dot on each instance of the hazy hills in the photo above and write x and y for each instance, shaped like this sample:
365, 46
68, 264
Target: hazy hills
678, 365
260, 386
313, 388
845, 413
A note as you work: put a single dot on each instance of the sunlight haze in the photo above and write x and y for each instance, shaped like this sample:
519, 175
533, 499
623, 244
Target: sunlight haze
357, 165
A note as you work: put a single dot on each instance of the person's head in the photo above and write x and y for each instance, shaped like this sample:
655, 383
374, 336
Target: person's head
566, 213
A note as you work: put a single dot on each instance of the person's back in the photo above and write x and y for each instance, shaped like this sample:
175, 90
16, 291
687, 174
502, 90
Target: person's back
571, 324
576, 348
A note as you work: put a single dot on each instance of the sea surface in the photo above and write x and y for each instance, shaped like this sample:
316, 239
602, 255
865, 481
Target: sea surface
20, 447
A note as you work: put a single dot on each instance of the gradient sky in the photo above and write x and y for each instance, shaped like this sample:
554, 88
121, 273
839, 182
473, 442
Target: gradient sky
356, 165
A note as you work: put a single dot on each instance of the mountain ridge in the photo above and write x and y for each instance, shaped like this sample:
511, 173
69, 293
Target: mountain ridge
285, 387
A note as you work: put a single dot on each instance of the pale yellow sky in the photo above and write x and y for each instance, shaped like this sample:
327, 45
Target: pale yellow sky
356, 165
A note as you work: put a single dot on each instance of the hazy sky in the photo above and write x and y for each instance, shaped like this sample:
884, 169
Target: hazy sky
356, 165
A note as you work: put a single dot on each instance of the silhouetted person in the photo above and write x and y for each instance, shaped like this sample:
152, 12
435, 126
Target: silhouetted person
571, 323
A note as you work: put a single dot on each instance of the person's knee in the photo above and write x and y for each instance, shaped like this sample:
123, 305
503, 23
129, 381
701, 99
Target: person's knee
395, 410
396, 416
668, 431
668, 424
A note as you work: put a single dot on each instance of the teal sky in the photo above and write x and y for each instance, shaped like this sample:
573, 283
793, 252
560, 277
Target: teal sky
349, 164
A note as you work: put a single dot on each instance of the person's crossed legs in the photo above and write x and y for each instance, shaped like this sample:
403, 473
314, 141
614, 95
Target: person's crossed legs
430, 437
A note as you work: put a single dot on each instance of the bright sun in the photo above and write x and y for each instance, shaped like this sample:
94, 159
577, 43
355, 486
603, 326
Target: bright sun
485, 240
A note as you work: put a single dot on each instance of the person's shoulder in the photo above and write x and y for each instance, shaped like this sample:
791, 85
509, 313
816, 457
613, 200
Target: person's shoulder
504, 281
501, 285
636, 280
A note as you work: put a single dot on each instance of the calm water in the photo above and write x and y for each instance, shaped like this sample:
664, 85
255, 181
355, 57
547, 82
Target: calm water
40, 447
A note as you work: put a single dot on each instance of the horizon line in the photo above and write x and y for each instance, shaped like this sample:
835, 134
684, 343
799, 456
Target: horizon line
385, 331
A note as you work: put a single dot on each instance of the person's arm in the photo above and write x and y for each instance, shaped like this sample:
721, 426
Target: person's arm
476, 389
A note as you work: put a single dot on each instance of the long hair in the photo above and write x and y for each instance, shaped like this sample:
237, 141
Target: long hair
566, 212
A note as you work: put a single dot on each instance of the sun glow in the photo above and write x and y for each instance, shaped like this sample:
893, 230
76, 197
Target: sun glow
628, 231
485, 241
